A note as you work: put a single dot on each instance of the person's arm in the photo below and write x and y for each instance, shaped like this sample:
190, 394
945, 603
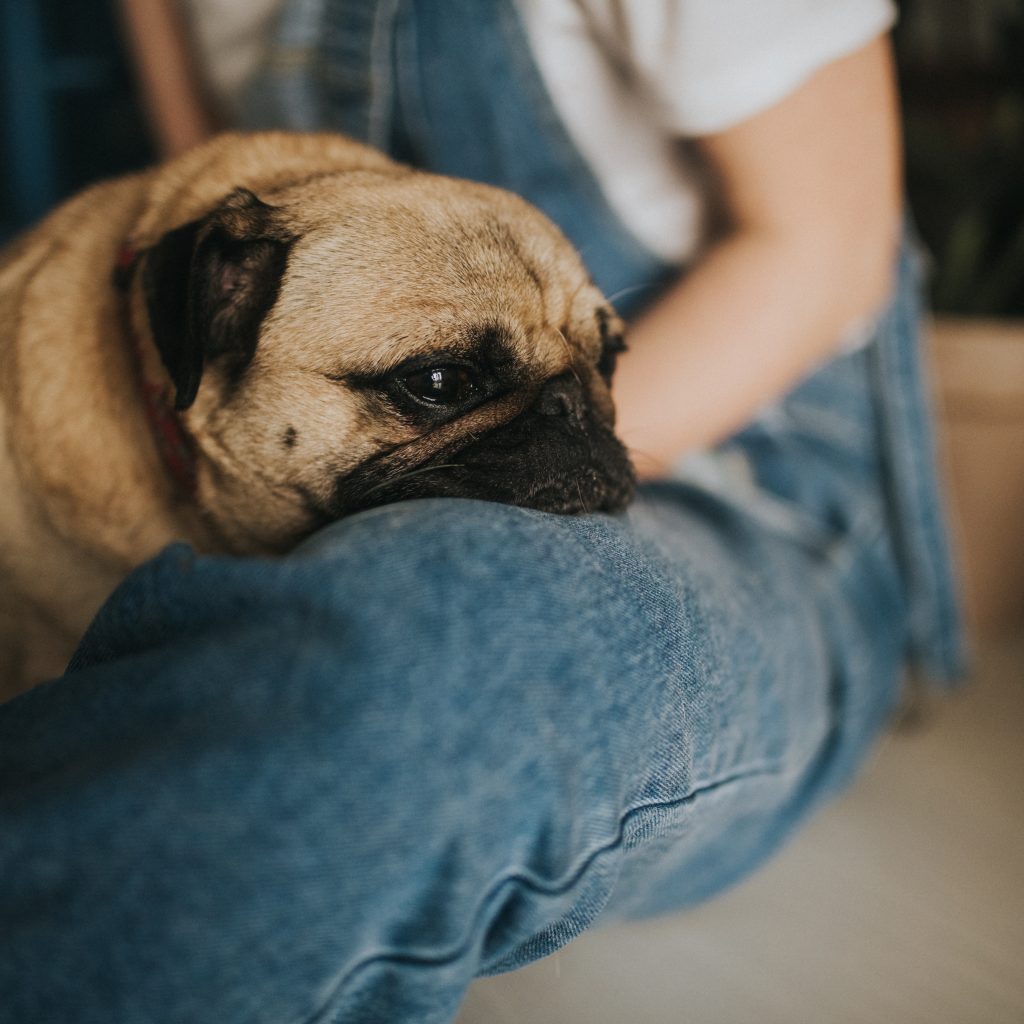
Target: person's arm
815, 193
165, 63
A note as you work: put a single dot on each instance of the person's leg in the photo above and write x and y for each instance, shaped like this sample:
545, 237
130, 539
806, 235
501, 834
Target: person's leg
432, 743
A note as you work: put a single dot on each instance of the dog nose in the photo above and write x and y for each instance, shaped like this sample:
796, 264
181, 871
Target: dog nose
561, 396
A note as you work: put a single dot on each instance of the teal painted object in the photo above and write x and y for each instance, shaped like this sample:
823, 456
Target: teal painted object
69, 110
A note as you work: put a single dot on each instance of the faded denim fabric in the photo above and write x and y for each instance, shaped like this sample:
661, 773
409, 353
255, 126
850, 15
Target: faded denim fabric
438, 740
443, 737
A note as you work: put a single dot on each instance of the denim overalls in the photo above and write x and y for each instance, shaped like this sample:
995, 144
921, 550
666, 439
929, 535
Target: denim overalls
443, 737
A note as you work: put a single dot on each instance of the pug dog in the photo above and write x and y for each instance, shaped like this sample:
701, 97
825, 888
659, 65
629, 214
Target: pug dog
269, 333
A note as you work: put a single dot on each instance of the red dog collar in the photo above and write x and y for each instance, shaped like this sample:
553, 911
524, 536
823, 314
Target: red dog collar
175, 446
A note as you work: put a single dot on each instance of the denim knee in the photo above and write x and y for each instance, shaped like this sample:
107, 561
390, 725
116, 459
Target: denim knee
435, 740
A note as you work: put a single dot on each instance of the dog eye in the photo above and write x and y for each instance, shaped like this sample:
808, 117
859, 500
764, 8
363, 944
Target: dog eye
441, 385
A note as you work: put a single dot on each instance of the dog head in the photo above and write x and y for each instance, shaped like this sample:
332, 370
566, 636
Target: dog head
364, 336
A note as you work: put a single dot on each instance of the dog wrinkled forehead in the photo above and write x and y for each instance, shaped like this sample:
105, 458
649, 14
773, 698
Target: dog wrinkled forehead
415, 262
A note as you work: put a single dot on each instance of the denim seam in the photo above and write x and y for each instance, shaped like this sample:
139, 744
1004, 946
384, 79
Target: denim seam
531, 882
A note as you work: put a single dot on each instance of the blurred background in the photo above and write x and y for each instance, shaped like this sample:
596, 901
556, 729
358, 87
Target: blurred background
904, 901
74, 112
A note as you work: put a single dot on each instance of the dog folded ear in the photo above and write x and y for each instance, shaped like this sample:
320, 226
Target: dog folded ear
208, 286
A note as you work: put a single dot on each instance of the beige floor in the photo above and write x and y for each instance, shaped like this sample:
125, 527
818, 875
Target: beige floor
903, 902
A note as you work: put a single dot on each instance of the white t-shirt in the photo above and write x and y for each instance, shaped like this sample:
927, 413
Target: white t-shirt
630, 79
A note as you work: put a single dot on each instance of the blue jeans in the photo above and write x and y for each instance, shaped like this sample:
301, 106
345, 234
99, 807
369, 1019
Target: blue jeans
438, 740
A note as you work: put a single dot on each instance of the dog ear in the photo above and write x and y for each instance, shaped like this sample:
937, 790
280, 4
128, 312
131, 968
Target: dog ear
208, 286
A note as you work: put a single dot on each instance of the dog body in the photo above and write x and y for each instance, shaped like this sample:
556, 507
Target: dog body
300, 328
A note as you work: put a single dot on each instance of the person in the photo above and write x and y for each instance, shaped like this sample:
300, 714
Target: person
441, 738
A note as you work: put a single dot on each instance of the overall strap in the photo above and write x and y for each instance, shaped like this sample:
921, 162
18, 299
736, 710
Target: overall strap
937, 643
452, 88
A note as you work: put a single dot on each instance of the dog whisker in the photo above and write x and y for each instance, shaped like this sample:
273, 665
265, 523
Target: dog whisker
627, 291
583, 502
572, 367
639, 451
410, 473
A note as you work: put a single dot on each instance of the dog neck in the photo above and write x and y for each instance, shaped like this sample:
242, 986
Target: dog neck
176, 448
